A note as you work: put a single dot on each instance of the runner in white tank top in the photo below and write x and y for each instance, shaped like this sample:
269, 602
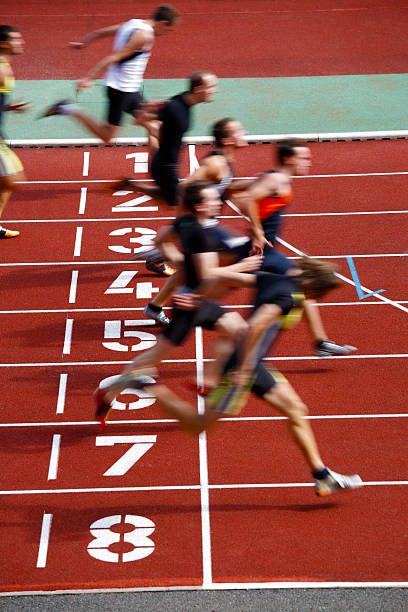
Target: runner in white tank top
124, 69
127, 74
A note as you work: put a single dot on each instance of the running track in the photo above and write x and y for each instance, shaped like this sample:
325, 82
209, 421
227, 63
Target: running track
234, 506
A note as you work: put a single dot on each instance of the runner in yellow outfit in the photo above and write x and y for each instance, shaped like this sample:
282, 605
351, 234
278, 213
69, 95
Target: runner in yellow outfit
11, 169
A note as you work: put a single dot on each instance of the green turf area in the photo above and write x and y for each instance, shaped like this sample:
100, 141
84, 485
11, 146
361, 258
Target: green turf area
265, 106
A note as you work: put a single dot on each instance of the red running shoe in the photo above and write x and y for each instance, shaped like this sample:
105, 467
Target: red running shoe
102, 407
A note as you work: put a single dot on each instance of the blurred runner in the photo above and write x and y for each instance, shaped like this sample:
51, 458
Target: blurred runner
124, 67
11, 169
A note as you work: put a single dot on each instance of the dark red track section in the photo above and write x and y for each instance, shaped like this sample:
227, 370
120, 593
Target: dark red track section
259, 533
278, 39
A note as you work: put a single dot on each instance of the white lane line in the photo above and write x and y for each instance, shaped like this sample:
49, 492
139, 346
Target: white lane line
139, 308
293, 358
110, 220
293, 249
85, 168
348, 214
73, 287
68, 337
82, 201
222, 586
147, 180
280, 485
78, 241
222, 217
44, 540
62, 393
54, 457
351, 174
379, 296
140, 261
227, 419
75, 363
193, 162
203, 460
237, 178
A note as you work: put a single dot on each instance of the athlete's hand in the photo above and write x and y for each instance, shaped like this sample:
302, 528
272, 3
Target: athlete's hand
84, 83
251, 264
258, 245
18, 107
186, 301
76, 45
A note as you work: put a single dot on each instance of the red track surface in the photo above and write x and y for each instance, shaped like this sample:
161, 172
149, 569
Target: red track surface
296, 38
258, 534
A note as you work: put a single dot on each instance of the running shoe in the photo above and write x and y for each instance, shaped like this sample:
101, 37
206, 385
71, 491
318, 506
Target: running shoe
54, 109
103, 408
336, 482
123, 184
5, 233
159, 267
160, 317
328, 348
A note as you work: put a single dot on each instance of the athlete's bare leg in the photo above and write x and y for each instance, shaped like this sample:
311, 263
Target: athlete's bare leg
147, 360
8, 184
285, 399
168, 289
103, 130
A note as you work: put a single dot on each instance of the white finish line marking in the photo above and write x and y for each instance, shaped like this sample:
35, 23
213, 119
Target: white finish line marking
85, 169
78, 241
68, 337
73, 287
54, 458
82, 201
62, 393
44, 540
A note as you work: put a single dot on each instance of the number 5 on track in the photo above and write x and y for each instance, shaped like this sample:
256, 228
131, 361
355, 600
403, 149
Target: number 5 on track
140, 446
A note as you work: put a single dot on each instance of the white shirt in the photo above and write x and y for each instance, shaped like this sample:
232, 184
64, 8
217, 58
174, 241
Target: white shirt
127, 75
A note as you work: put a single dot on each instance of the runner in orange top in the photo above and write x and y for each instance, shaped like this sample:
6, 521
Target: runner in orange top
268, 196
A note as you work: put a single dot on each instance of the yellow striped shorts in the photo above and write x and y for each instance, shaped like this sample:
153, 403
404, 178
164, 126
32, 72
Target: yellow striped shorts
9, 162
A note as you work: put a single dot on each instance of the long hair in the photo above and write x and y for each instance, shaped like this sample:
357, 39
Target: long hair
318, 277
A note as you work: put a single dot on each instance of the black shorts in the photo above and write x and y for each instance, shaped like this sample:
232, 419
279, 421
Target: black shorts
165, 175
122, 102
265, 380
182, 321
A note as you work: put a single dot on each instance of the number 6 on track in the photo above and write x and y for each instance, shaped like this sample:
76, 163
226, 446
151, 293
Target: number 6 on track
140, 446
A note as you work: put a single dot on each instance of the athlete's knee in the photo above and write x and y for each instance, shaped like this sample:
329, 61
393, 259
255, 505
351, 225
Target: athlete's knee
297, 410
231, 324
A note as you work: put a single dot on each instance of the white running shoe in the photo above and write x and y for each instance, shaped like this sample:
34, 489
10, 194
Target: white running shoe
160, 317
327, 348
336, 482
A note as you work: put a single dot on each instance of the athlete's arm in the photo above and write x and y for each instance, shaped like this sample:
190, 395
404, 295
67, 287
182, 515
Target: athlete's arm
215, 278
166, 242
2, 75
91, 36
139, 41
264, 187
212, 169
